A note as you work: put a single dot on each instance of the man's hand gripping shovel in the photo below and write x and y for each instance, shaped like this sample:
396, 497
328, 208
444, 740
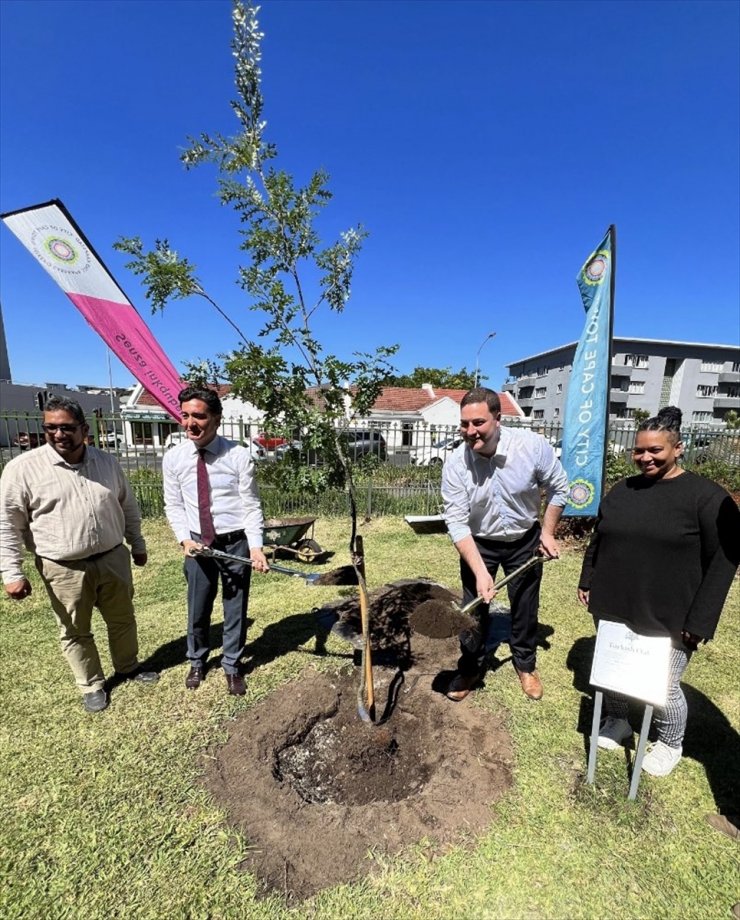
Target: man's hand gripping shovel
310, 578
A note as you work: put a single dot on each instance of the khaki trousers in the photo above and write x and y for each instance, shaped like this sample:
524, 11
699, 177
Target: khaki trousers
74, 589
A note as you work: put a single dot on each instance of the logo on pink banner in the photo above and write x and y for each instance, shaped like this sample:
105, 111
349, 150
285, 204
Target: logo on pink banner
51, 235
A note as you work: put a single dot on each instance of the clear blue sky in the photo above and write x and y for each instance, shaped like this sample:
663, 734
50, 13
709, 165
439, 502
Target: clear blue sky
486, 147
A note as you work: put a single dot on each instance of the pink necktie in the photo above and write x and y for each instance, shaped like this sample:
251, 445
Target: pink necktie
207, 530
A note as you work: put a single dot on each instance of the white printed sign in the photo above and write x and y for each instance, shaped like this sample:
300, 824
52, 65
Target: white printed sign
626, 662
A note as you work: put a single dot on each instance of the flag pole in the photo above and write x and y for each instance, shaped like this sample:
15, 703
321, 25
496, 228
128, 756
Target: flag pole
609, 347
110, 384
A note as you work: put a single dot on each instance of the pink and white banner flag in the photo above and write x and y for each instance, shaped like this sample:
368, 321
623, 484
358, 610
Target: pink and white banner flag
51, 235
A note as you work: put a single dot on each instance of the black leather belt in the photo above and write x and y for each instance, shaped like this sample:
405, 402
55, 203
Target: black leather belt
230, 537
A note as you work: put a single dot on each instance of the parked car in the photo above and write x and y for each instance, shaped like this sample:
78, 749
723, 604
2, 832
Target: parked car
267, 442
177, 437
615, 448
26, 440
365, 442
286, 448
358, 442
111, 438
703, 446
435, 454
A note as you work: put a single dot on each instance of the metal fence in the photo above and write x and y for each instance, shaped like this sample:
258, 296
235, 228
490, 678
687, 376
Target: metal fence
372, 500
141, 443
402, 479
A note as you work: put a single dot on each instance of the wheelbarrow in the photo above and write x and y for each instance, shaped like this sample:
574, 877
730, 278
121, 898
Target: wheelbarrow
293, 536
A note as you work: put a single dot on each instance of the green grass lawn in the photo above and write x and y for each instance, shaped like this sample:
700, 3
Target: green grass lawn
104, 816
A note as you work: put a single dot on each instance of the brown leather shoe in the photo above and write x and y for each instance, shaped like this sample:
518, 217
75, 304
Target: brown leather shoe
531, 683
461, 685
729, 825
195, 678
235, 684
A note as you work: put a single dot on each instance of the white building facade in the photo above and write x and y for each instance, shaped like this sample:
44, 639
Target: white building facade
703, 380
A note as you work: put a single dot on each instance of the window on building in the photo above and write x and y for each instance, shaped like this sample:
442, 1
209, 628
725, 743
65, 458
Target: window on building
556, 412
167, 428
732, 392
701, 416
706, 389
636, 386
635, 360
141, 432
540, 392
542, 372
559, 388
407, 434
538, 413
736, 367
713, 367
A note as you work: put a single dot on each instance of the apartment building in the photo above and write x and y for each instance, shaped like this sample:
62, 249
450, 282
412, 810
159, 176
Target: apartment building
703, 380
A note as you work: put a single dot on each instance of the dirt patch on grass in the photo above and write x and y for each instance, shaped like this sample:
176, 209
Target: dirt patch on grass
316, 790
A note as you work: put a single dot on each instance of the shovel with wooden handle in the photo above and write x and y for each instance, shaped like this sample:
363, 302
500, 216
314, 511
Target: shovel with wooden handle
530, 563
366, 690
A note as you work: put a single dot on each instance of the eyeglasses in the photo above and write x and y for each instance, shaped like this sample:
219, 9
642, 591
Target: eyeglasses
65, 429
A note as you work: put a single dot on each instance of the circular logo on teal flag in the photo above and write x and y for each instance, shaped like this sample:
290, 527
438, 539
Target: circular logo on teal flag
595, 271
581, 493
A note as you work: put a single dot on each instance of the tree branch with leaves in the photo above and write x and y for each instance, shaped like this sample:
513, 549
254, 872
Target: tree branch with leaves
283, 247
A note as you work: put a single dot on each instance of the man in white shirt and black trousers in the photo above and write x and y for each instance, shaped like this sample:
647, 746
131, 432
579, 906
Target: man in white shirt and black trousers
491, 487
211, 499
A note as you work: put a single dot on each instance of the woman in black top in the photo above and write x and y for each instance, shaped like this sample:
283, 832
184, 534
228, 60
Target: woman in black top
661, 560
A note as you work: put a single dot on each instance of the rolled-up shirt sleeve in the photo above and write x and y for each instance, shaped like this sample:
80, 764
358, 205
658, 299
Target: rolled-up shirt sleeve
456, 502
551, 476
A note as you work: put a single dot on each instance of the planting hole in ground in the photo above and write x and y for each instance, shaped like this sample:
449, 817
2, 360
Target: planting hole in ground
350, 763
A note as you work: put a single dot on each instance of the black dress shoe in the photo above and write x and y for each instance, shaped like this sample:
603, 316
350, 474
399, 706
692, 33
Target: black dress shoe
195, 678
235, 684
140, 676
95, 702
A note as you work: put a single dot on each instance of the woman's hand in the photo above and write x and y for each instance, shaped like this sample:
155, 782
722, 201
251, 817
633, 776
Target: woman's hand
583, 596
690, 640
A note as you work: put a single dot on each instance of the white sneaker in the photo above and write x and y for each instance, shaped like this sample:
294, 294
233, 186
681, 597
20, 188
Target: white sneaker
661, 759
613, 732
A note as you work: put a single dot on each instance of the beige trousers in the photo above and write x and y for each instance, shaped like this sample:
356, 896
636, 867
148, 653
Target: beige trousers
74, 589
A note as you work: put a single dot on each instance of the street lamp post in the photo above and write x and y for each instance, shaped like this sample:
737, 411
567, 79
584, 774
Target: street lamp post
490, 335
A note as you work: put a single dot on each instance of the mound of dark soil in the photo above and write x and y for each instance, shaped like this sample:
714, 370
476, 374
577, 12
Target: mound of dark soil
314, 788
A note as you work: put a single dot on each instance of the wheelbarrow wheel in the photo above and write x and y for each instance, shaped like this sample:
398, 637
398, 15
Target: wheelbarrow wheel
308, 550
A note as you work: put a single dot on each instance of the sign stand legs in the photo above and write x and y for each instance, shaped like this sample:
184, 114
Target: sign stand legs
641, 745
595, 723
637, 766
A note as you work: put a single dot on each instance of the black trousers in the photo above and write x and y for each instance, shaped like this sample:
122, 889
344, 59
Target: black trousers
203, 576
524, 599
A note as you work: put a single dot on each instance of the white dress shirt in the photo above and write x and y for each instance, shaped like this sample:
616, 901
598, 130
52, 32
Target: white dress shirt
498, 497
235, 501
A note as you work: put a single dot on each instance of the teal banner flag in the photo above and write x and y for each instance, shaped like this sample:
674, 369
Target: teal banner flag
587, 403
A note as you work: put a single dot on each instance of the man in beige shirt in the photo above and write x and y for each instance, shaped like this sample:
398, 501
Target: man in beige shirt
71, 505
